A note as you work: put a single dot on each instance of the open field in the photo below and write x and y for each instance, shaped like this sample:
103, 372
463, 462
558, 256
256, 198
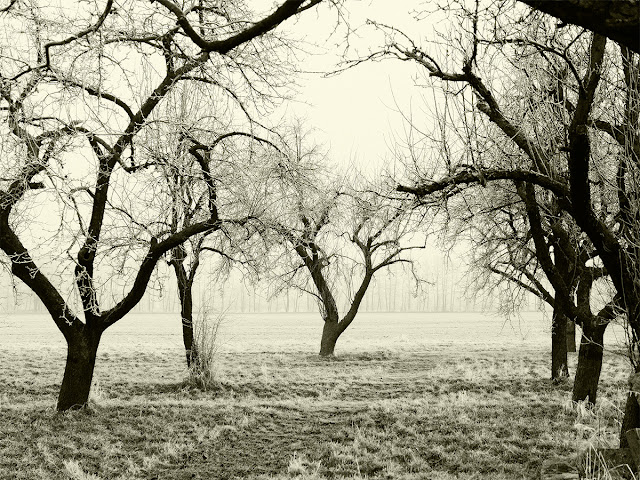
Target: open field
411, 396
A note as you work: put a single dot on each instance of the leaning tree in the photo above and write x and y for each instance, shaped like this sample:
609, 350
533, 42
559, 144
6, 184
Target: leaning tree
78, 89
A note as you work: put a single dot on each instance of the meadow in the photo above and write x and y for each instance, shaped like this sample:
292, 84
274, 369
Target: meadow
409, 396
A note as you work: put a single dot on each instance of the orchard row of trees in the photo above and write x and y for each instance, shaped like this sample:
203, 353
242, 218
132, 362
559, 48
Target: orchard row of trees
138, 133
134, 134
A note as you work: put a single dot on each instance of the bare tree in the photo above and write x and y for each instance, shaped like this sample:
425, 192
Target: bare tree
510, 246
218, 162
503, 256
336, 237
75, 108
506, 229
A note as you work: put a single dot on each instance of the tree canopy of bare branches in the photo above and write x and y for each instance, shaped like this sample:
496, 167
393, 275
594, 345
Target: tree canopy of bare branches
550, 114
81, 90
337, 236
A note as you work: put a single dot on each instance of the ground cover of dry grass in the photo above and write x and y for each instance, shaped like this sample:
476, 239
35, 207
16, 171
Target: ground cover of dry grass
442, 412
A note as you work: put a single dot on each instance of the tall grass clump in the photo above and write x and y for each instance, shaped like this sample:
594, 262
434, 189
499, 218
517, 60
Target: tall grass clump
597, 429
204, 367
598, 465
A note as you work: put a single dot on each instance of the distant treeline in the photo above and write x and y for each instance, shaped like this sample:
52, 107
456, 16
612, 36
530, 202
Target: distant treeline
446, 290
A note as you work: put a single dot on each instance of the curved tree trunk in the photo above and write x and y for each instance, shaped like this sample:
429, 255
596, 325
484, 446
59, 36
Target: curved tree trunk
330, 334
585, 386
559, 368
82, 348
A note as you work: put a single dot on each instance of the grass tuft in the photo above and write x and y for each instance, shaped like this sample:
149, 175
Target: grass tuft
299, 466
75, 471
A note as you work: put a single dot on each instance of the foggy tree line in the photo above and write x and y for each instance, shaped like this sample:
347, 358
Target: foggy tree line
392, 292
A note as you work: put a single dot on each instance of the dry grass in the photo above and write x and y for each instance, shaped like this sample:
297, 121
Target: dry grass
203, 370
450, 412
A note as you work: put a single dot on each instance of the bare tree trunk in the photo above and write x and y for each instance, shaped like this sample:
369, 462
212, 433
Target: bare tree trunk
186, 313
559, 368
330, 334
185, 293
82, 348
571, 336
585, 386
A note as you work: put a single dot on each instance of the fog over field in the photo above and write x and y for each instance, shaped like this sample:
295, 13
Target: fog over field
409, 396
291, 332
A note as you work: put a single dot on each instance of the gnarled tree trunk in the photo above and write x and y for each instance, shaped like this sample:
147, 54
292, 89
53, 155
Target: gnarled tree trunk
330, 333
585, 386
82, 348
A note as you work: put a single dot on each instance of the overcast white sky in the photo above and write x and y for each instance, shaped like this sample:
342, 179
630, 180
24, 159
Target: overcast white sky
354, 111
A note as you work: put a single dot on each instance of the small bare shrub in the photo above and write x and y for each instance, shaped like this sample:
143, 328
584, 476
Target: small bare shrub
203, 370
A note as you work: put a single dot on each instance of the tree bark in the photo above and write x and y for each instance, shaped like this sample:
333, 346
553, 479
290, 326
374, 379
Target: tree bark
585, 386
631, 417
571, 336
330, 334
618, 20
186, 313
559, 368
185, 293
82, 348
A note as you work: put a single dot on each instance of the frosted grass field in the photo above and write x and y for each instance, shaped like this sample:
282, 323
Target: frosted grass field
291, 332
411, 396
301, 331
